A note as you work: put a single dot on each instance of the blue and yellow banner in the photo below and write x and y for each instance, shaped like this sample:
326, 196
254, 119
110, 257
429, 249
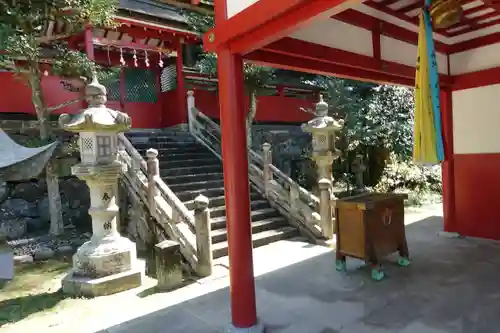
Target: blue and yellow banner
428, 139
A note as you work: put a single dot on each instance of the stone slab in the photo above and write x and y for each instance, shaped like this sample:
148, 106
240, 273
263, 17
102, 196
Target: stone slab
112, 284
6, 263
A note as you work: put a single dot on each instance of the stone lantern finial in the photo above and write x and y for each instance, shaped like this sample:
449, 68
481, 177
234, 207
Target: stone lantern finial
95, 93
321, 107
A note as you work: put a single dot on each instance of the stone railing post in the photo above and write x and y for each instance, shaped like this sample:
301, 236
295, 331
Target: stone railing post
190, 110
268, 176
203, 236
325, 187
168, 259
153, 173
6, 261
294, 197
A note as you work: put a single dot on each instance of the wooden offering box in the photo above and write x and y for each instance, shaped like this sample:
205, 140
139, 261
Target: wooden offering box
370, 226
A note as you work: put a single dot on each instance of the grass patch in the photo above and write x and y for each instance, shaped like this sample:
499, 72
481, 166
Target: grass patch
34, 289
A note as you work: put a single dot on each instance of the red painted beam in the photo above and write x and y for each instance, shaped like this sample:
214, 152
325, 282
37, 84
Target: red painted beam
264, 22
475, 43
371, 23
481, 78
192, 36
411, 7
284, 25
323, 68
249, 19
306, 50
400, 15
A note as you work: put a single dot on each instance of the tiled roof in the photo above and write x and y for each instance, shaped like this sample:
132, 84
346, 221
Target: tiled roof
153, 8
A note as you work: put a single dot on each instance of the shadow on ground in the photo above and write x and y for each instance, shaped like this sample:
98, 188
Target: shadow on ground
29, 292
451, 286
16, 309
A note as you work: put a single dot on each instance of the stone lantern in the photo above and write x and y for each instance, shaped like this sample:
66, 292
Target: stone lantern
108, 262
323, 129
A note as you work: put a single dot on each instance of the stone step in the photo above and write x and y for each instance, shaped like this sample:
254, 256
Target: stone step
190, 170
259, 239
178, 179
220, 235
190, 162
172, 150
191, 195
254, 205
167, 145
257, 215
218, 201
204, 184
167, 156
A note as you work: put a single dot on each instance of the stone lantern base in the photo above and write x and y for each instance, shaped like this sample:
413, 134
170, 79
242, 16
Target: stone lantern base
104, 268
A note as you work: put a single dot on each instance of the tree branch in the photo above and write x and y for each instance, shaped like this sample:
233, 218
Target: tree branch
59, 106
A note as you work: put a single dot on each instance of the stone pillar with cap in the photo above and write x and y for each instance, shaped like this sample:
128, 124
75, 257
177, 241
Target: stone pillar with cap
108, 262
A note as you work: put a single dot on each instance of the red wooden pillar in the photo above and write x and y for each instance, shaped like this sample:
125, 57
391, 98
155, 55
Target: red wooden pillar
237, 191
236, 183
448, 163
181, 88
89, 44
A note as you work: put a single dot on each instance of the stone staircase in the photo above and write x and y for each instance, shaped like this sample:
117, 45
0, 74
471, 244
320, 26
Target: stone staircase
190, 169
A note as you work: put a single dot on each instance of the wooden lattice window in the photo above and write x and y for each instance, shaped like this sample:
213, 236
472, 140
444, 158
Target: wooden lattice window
168, 78
140, 85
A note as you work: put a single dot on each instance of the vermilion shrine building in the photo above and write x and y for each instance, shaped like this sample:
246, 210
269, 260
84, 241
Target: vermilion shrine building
152, 89
372, 40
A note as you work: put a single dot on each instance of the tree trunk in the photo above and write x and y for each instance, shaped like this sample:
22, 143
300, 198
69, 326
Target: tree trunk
55, 207
251, 115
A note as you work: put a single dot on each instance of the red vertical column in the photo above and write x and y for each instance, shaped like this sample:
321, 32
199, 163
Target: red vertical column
448, 163
237, 191
89, 48
89, 44
181, 87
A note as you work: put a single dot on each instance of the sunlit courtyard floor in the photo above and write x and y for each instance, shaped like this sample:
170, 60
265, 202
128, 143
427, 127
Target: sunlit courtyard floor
451, 286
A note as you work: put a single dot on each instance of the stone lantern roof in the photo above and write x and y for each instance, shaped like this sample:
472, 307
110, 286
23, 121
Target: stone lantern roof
322, 122
97, 117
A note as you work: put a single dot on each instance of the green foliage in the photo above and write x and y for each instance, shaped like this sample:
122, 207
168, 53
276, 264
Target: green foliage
400, 175
199, 22
74, 64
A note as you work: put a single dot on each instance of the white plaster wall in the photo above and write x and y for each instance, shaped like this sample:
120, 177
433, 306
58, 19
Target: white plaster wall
358, 40
475, 60
236, 6
476, 120
404, 53
326, 32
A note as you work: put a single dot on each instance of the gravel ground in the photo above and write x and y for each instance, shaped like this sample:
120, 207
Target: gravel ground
31, 245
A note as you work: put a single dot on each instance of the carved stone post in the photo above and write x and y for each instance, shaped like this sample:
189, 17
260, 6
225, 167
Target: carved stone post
358, 168
294, 197
108, 262
266, 148
191, 111
168, 259
325, 187
6, 261
203, 236
153, 174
